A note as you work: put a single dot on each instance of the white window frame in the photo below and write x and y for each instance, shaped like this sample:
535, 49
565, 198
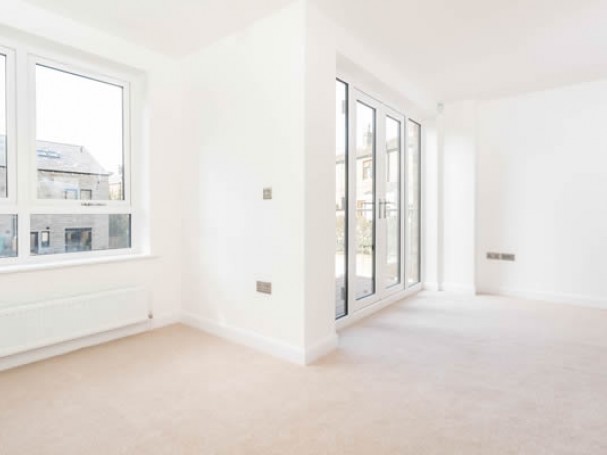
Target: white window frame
75, 206
358, 309
10, 202
22, 200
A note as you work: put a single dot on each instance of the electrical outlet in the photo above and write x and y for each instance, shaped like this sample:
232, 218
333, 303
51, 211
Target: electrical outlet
267, 193
493, 256
507, 257
264, 287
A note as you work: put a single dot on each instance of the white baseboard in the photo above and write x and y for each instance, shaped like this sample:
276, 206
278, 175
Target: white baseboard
261, 343
457, 288
162, 321
321, 349
247, 338
431, 286
66, 347
550, 297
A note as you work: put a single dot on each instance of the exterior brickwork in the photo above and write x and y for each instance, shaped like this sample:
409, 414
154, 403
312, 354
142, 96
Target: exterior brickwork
67, 171
54, 185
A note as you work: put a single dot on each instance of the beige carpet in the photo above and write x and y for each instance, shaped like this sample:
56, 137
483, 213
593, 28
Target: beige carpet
448, 375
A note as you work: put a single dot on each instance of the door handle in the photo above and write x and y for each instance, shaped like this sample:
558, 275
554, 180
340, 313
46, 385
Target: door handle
382, 204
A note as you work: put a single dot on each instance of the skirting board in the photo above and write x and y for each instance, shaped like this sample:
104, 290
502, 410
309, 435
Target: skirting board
549, 297
66, 347
457, 288
321, 349
258, 342
431, 286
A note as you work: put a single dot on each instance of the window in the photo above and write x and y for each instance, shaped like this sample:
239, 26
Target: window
79, 135
3, 154
34, 246
367, 169
76, 233
74, 172
392, 202
413, 226
79, 239
8, 216
45, 239
377, 200
364, 188
8, 236
70, 194
341, 199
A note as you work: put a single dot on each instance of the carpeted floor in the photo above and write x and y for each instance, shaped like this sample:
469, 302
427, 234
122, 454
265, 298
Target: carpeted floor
433, 375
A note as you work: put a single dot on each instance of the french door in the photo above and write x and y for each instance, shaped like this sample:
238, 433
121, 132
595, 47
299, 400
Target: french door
375, 171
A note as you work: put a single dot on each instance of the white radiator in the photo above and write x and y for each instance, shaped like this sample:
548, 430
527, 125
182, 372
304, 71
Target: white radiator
35, 325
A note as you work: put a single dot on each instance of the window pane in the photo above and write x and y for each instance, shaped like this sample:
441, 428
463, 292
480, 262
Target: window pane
55, 234
341, 199
3, 158
79, 136
412, 244
365, 200
8, 236
392, 204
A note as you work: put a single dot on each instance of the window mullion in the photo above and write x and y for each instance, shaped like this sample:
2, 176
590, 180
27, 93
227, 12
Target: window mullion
23, 147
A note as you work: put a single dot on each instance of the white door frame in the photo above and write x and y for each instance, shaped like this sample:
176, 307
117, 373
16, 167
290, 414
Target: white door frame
379, 173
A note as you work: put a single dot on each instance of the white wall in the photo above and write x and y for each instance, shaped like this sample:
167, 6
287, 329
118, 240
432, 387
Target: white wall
320, 72
244, 109
261, 113
542, 181
430, 205
457, 211
160, 159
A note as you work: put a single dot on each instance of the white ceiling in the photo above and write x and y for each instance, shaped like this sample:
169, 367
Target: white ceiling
456, 49
172, 27
480, 48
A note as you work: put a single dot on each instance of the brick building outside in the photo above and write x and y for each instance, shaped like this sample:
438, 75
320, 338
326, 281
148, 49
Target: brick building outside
68, 172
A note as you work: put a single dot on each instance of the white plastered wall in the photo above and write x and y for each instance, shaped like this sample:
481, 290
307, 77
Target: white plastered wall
261, 113
244, 109
524, 175
542, 181
457, 204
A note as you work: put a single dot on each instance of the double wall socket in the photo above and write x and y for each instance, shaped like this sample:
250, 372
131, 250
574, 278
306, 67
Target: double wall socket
264, 287
501, 256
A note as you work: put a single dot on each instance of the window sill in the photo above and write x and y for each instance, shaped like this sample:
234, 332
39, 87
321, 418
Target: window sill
24, 268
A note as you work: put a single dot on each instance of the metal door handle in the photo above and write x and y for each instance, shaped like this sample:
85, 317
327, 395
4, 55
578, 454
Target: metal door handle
382, 203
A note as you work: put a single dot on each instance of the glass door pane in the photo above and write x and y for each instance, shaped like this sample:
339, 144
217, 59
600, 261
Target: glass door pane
391, 204
413, 179
341, 198
365, 200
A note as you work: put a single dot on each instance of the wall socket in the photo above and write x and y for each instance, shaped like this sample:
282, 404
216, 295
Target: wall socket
264, 287
267, 193
501, 256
